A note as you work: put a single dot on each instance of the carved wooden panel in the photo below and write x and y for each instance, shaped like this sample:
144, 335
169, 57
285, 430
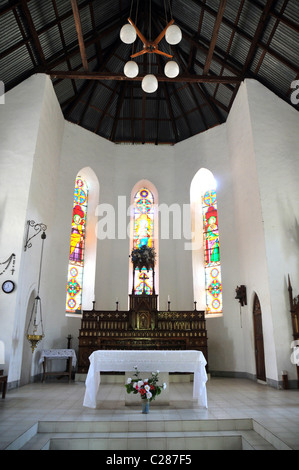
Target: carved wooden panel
142, 327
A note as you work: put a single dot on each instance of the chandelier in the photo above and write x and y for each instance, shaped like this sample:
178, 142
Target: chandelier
128, 35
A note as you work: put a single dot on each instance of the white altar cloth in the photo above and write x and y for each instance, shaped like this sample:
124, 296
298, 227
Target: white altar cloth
146, 361
58, 354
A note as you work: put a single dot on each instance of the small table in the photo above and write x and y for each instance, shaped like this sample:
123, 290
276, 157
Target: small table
147, 361
49, 354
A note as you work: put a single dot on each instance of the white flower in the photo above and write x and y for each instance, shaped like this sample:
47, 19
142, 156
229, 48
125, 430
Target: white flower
164, 386
140, 383
129, 380
134, 384
158, 371
147, 388
148, 395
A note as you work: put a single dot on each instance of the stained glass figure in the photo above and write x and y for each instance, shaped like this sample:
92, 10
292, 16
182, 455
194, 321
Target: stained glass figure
76, 256
212, 252
143, 236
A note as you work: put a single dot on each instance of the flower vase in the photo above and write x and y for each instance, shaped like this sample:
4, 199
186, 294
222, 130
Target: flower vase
145, 406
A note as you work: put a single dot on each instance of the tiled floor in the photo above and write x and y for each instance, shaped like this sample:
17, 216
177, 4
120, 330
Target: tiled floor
275, 413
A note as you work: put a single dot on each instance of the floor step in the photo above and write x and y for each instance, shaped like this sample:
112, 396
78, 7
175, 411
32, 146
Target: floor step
231, 434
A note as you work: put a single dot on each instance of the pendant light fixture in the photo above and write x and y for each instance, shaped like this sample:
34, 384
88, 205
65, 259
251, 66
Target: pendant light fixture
35, 330
173, 36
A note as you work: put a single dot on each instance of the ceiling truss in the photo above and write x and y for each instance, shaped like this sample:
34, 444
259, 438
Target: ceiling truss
212, 65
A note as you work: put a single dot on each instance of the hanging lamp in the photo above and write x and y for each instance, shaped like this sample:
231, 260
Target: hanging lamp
173, 36
35, 329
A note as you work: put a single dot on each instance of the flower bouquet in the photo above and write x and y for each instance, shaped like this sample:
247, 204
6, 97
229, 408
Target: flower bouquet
148, 388
143, 257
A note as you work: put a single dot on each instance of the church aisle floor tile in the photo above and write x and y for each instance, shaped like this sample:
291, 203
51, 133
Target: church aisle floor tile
231, 402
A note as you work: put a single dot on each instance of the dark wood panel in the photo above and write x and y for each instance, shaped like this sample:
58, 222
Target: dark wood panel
142, 327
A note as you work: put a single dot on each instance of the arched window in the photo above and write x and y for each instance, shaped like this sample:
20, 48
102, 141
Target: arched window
143, 235
205, 245
211, 252
77, 245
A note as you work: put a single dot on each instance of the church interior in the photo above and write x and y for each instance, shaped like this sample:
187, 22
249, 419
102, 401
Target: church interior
149, 161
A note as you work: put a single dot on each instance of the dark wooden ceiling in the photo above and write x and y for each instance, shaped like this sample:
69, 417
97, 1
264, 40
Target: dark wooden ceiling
77, 43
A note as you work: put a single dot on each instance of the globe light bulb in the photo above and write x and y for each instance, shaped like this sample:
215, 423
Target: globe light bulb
171, 69
131, 69
173, 34
128, 34
149, 83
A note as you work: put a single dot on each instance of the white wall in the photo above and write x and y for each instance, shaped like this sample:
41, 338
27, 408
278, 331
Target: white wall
41, 207
275, 127
250, 246
19, 121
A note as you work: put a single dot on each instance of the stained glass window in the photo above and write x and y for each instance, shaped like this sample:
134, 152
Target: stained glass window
143, 236
76, 256
211, 253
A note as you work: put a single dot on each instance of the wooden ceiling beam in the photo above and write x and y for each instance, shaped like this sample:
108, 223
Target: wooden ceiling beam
171, 115
105, 111
186, 67
253, 47
86, 86
239, 31
270, 38
25, 10
217, 25
78, 25
240, 9
118, 110
25, 39
286, 21
193, 49
161, 78
63, 42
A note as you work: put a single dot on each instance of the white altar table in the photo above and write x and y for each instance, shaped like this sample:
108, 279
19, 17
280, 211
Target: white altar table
146, 361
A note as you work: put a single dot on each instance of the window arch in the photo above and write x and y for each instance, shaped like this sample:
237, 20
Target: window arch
82, 253
206, 245
77, 244
144, 232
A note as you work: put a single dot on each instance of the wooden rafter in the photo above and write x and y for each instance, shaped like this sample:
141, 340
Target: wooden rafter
214, 36
202, 60
258, 34
120, 102
34, 35
106, 109
79, 33
88, 83
161, 78
231, 40
63, 42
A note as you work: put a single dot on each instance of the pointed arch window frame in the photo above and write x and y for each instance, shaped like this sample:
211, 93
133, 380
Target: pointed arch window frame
88, 294
145, 184
203, 181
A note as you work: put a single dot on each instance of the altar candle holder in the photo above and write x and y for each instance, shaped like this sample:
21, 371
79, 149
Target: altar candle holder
116, 306
168, 305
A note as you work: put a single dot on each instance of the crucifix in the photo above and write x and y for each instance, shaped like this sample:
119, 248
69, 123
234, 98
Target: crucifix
143, 276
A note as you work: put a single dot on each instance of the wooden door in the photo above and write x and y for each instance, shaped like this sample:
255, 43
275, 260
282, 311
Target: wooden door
258, 340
